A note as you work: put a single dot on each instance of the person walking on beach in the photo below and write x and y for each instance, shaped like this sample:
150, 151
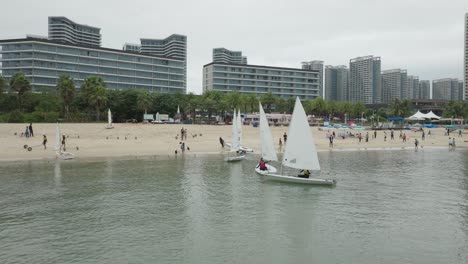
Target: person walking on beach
450, 143
367, 137
423, 136
26, 132
375, 133
44, 141
453, 143
331, 141
31, 133
285, 137
392, 137
63, 143
459, 132
182, 147
416, 143
404, 137
221, 141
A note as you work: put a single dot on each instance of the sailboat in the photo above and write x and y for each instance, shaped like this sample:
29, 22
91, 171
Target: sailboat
300, 152
109, 120
268, 149
238, 121
58, 146
235, 140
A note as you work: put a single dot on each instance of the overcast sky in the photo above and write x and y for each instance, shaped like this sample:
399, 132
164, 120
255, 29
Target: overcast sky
423, 36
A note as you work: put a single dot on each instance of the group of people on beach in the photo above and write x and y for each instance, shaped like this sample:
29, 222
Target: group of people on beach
28, 132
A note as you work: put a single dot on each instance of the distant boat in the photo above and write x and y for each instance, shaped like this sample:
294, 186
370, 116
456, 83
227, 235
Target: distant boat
234, 147
109, 119
300, 152
268, 148
61, 154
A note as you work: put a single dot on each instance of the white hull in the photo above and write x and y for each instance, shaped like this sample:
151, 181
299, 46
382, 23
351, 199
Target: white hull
109, 127
270, 169
295, 179
236, 158
228, 146
65, 155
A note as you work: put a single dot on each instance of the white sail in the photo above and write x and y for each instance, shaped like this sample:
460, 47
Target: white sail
268, 149
234, 134
300, 152
239, 127
158, 118
109, 118
178, 110
58, 144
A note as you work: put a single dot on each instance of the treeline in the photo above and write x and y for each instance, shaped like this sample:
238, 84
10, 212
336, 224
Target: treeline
19, 104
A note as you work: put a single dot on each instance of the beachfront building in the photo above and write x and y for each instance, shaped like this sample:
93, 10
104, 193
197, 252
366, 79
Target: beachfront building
445, 89
44, 61
132, 47
336, 83
413, 87
460, 90
394, 85
364, 80
424, 89
174, 46
259, 80
466, 58
223, 55
62, 29
316, 65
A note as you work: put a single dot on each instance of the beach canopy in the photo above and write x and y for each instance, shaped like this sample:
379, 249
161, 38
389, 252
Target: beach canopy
418, 116
431, 115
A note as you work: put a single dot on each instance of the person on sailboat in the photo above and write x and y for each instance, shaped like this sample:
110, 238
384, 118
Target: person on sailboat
304, 174
262, 165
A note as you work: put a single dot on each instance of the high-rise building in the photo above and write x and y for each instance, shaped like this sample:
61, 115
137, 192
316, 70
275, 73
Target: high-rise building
364, 80
460, 91
316, 65
223, 55
336, 83
174, 46
445, 89
466, 58
259, 80
424, 89
64, 30
43, 61
413, 87
132, 47
394, 85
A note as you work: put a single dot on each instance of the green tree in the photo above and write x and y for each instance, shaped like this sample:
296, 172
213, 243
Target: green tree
252, 102
143, 101
98, 100
455, 109
20, 84
268, 100
66, 92
2, 85
400, 108
317, 107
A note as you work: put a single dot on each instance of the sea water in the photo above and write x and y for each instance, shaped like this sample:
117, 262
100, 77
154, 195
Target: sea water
388, 207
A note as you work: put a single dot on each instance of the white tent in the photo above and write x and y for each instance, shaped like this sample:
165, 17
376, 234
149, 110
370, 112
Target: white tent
431, 115
417, 116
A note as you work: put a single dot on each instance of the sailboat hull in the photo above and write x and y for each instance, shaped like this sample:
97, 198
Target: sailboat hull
270, 169
65, 155
233, 159
295, 179
228, 146
109, 127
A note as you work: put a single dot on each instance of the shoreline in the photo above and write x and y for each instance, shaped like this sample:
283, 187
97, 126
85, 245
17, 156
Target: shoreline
131, 141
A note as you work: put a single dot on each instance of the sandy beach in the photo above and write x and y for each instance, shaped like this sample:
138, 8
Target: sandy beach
94, 140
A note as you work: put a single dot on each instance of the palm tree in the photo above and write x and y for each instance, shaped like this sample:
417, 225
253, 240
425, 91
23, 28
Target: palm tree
98, 99
66, 92
20, 84
268, 100
143, 101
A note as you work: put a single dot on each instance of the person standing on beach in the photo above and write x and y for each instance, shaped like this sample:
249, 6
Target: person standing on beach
221, 141
31, 133
367, 137
375, 133
285, 137
423, 136
450, 143
280, 144
44, 141
392, 137
416, 143
26, 132
63, 143
459, 132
